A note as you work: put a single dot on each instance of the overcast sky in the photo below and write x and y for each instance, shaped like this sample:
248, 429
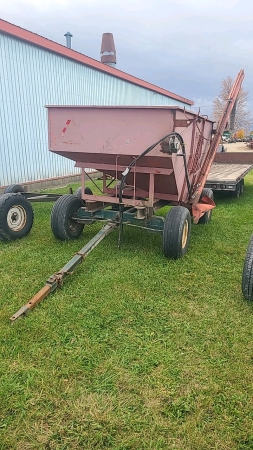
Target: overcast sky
185, 46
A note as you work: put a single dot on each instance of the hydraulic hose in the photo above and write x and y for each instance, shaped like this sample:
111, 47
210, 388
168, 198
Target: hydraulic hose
133, 162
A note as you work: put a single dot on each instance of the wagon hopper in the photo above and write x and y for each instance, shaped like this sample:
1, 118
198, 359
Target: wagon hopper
152, 156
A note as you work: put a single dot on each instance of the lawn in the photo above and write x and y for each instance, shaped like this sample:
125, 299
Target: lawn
135, 352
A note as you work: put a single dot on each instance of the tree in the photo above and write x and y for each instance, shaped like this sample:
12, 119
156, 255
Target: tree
240, 134
243, 119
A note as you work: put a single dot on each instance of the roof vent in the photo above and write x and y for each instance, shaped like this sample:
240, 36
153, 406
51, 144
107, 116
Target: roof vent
68, 39
108, 50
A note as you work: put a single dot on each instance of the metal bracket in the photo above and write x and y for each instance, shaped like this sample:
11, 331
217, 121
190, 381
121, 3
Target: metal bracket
199, 209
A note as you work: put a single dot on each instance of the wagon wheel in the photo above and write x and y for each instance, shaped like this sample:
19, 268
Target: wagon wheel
63, 226
176, 232
13, 188
242, 186
207, 216
237, 191
16, 216
247, 274
87, 190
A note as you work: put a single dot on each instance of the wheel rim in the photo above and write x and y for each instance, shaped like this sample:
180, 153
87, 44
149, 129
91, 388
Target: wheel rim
72, 224
185, 234
16, 218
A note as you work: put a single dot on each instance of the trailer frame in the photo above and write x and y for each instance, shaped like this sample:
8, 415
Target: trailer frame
228, 172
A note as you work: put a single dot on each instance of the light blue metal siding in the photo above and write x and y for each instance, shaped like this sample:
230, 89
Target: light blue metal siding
31, 78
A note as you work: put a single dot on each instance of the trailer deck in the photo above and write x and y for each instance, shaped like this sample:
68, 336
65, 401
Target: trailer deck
223, 173
228, 171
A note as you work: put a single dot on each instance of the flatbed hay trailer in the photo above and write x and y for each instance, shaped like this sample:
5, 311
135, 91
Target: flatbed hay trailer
228, 171
149, 157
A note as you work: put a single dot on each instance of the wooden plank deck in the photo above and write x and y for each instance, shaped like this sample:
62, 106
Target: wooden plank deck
223, 173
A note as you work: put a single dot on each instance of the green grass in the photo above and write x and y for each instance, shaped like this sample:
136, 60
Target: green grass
136, 351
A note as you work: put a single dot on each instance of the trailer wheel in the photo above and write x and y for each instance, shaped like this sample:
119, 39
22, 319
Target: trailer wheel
87, 190
13, 188
247, 274
242, 186
207, 216
176, 232
237, 191
63, 226
16, 216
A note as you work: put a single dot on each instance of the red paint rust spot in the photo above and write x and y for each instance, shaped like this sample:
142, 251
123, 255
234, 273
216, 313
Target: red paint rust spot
68, 122
64, 129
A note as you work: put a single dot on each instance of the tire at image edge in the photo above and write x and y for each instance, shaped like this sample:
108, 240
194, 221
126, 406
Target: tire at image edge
247, 274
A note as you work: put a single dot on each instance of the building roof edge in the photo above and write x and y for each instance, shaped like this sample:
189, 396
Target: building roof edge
47, 44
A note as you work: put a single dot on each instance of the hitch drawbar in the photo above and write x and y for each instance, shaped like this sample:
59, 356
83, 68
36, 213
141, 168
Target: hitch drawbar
56, 280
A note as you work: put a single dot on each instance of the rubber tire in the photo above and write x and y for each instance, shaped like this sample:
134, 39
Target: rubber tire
237, 192
205, 219
242, 186
7, 202
14, 189
173, 231
247, 274
62, 226
87, 190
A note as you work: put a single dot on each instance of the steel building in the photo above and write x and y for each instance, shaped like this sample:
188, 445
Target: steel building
36, 72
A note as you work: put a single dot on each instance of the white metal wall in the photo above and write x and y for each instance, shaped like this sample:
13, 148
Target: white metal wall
31, 78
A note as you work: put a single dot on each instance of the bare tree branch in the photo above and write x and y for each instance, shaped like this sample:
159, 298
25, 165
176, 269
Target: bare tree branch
243, 119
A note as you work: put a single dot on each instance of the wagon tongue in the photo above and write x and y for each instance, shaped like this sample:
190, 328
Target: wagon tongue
56, 280
199, 209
